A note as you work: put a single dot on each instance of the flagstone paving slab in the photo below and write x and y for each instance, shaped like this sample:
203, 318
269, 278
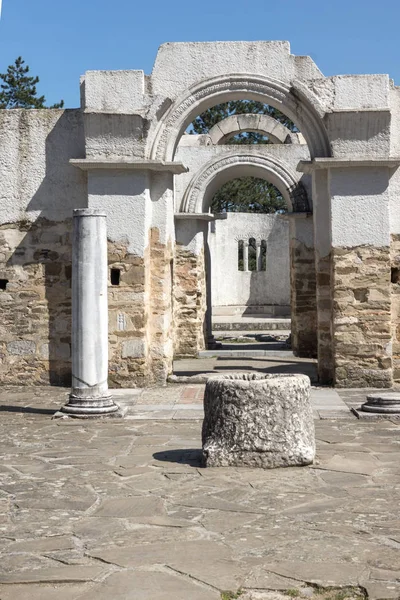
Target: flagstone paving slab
106, 509
43, 592
150, 585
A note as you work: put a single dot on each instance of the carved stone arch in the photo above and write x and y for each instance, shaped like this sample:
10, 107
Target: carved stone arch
296, 101
265, 124
200, 191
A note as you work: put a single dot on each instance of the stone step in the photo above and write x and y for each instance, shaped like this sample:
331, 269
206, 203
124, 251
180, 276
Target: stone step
242, 353
269, 310
250, 324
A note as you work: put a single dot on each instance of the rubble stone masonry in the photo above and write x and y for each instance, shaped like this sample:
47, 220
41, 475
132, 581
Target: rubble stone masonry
395, 297
140, 328
35, 308
362, 325
190, 302
35, 303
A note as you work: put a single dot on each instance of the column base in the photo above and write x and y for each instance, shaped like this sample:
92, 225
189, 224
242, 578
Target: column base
89, 408
382, 403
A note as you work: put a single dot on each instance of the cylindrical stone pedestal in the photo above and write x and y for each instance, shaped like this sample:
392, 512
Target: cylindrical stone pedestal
89, 396
382, 403
257, 420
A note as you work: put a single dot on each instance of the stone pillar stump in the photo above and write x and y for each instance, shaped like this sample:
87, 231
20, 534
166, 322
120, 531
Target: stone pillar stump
257, 420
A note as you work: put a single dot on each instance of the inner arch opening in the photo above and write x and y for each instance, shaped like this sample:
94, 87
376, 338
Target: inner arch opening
248, 266
248, 195
253, 173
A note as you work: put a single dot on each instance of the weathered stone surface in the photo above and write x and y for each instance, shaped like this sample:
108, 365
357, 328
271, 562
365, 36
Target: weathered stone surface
21, 347
146, 506
395, 303
382, 402
303, 289
57, 591
217, 529
143, 585
57, 574
362, 318
258, 420
189, 302
134, 348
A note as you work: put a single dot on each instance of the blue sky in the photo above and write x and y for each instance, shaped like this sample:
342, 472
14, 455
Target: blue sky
61, 40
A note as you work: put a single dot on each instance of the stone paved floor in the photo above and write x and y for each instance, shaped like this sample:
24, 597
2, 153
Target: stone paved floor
185, 402
284, 362
122, 510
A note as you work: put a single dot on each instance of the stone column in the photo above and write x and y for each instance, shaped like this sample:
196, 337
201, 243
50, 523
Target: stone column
258, 256
246, 255
89, 396
211, 343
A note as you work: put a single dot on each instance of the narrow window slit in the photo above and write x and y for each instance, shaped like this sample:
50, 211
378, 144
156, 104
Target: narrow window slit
395, 275
3, 284
115, 276
252, 255
263, 266
240, 256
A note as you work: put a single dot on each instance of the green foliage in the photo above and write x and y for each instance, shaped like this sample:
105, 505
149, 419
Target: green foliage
292, 592
248, 194
244, 194
231, 595
18, 89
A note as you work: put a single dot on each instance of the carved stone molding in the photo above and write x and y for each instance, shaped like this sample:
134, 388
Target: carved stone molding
239, 86
279, 173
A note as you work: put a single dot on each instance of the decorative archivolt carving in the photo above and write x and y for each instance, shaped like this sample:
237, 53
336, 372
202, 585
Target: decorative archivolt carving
215, 90
286, 180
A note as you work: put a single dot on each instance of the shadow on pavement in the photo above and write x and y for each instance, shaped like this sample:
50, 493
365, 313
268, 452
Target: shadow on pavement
27, 409
190, 456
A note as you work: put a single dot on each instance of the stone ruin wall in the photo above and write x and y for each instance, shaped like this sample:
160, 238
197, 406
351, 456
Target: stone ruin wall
303, 300
189, 302
39, 189
395, 302
35, 324
362, 317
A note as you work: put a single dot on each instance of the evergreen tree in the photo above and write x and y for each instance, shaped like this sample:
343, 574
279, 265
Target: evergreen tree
19, 88
244, 194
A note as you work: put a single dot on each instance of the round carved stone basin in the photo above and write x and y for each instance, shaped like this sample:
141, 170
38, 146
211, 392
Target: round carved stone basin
258, 420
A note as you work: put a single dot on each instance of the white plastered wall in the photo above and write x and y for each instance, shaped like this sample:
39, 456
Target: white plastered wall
36, 179
231, 287
359, 207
